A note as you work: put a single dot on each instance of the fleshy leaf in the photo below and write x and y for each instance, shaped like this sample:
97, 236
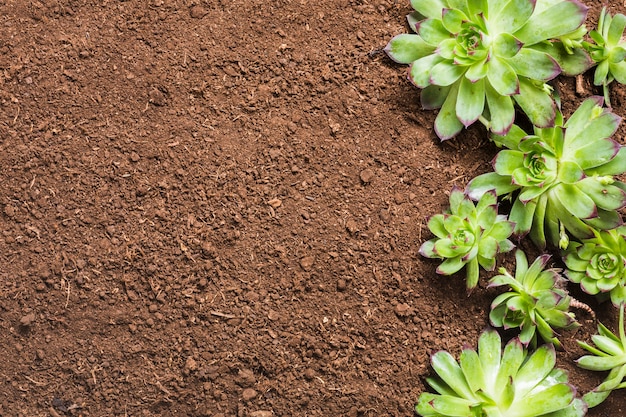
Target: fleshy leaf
502, 77
536, 103
471, 101
501, 110
419, 71
534, 64
433, 96
558, 20
406, 48
447, 125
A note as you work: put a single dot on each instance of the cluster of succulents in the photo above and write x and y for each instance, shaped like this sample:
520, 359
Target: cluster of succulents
487, 61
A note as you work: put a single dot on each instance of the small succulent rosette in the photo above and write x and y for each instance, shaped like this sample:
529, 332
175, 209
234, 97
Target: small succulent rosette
561, 179
477, 59
468, 235
535, 304
608, 50
599, 264
608, 354
496, 382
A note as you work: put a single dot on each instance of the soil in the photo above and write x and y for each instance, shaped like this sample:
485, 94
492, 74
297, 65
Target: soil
214, 209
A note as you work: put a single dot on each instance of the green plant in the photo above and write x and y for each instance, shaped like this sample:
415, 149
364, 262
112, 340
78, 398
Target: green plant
492, 383
536, 302
469, 235
474, 59
608, 50
608, 355
599, 264
563, 176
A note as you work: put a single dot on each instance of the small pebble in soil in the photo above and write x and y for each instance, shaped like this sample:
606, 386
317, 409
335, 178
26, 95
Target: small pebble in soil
366, 176
249, 394
27, 320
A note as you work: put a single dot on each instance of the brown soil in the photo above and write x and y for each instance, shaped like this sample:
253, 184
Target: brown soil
214, 209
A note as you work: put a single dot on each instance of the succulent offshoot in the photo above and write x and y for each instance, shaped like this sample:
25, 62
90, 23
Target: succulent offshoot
608, 354
499, 382
608, 50
535, 303
474, 60
468, 235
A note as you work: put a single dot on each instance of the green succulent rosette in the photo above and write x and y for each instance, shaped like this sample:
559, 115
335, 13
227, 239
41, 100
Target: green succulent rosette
476, 59
468, 235
496, 382
535, 304
608, 354
599, 264
608, 50
561, 179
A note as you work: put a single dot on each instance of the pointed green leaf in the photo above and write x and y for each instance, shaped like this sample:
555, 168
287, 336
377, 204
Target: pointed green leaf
502, 77
522, 216
406, 48
618, 71
436, 226
535, 65
605, 220
451, 373
489, 352
433, 96
446, 73
471, 101
512, 359
607, 197
472, 369
589, 123
447, 125
616, 166
512, 16
419, 71
501, 110
545, 401
431, 8
451, 266
506, 45
576, 201
572, 62
560, 19
477, 71
432, 31
570, 172
616, 29
490, 181
452, 19
536, 103
597, 151
535, 369
507, 161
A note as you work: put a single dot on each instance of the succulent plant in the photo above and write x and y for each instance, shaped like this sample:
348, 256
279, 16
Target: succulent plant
493, 383
475, 59
608, 50
609, 354
563, 176
599, 264
469, 235
536, 303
